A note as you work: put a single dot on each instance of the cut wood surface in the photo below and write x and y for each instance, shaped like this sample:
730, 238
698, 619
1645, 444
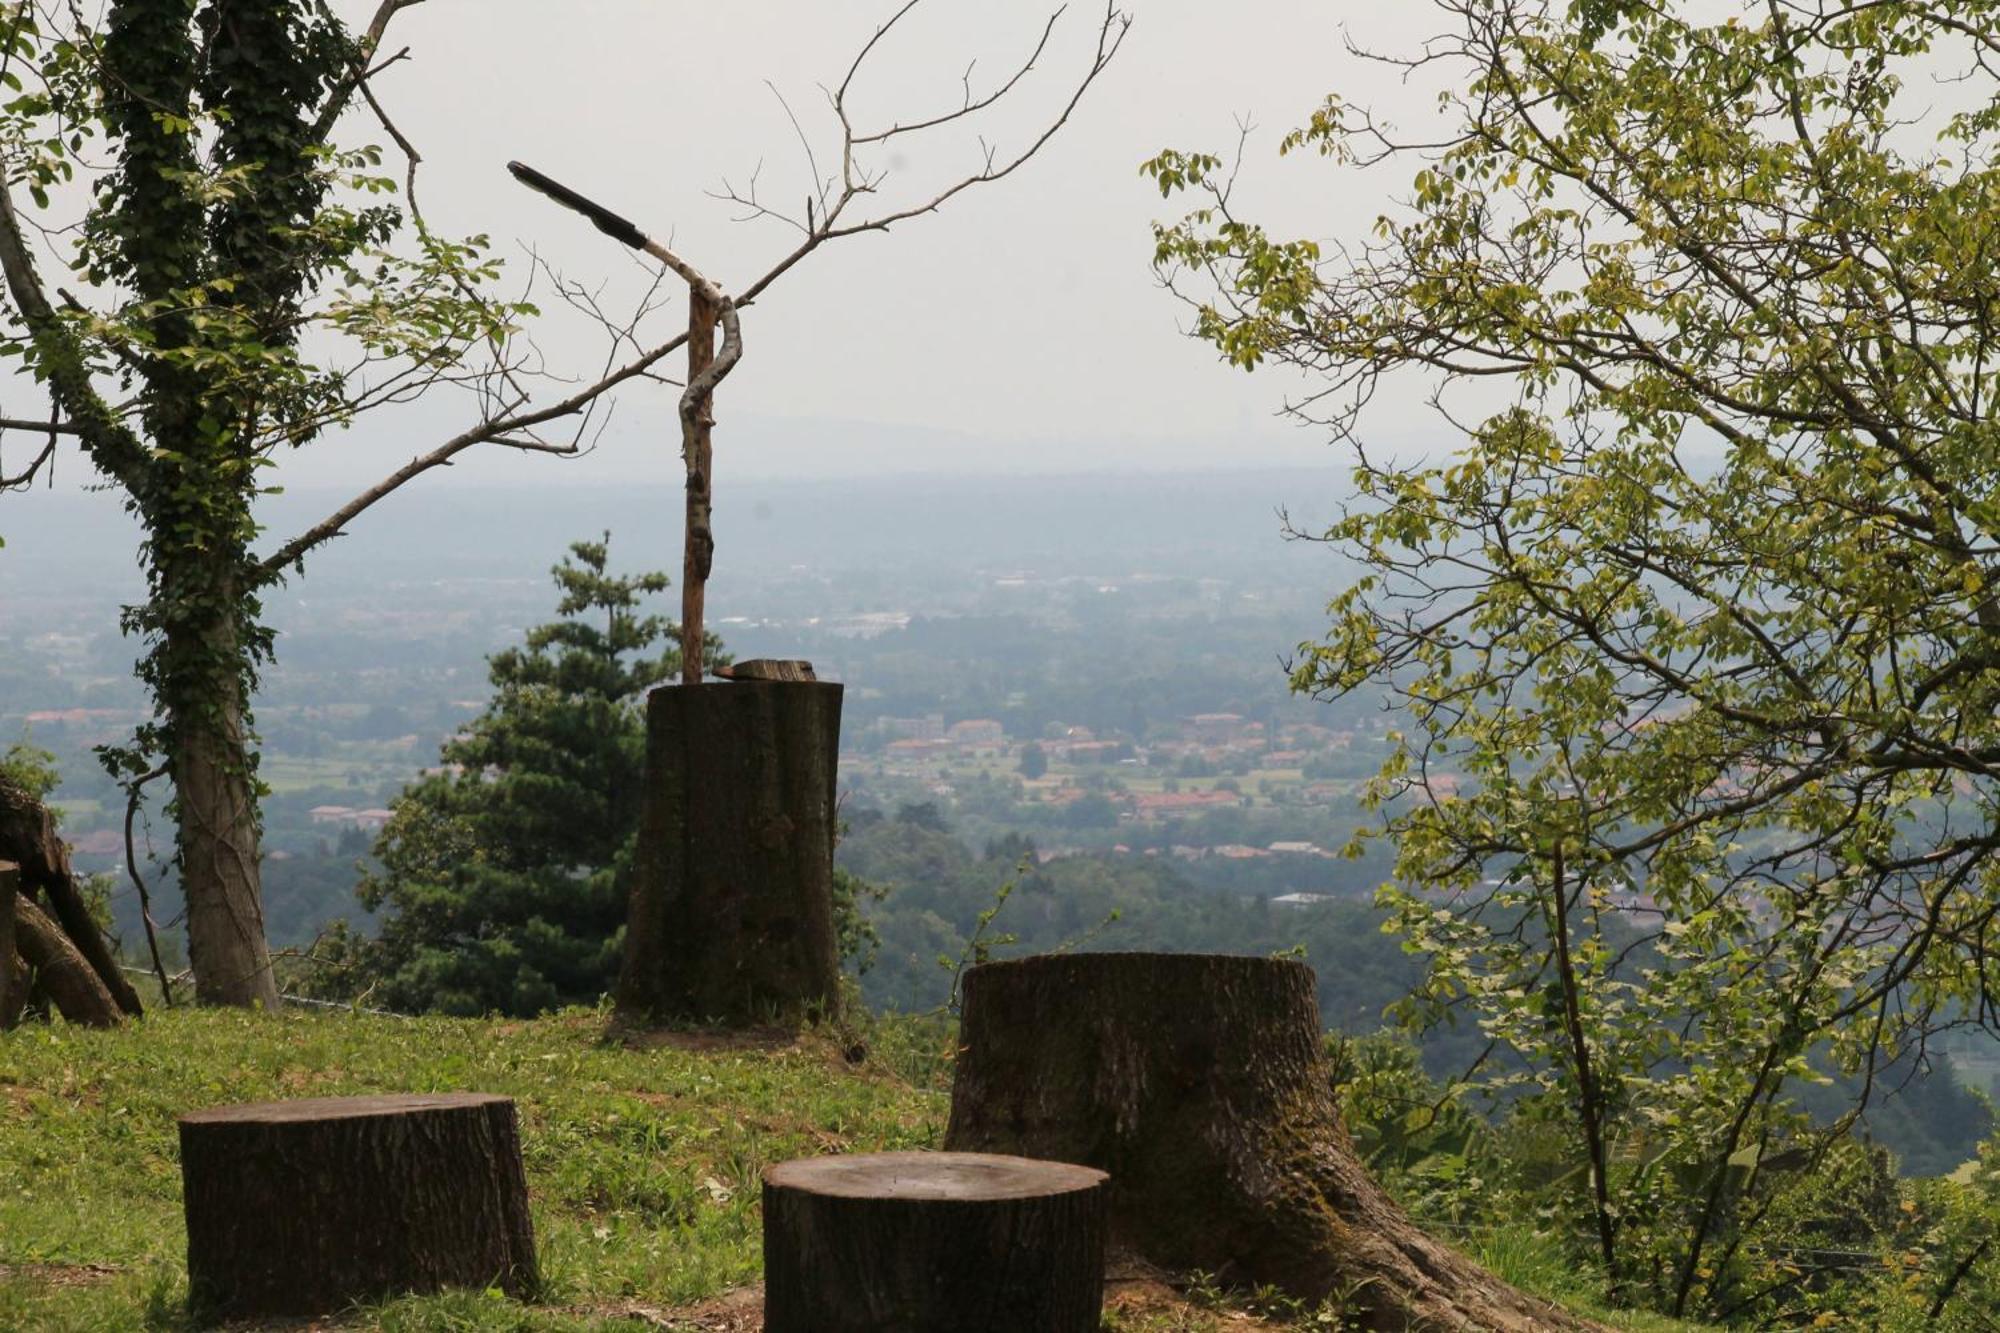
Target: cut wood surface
304, 1207
933, 1243
732, 894
767, 668
1200, 1083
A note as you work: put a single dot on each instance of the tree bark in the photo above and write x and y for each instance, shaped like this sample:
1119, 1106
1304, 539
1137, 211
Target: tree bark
49, 957
29, 838
11, 972
932, 1243
1200, 1083
221, 874
698, 545
302, 1208
732, 895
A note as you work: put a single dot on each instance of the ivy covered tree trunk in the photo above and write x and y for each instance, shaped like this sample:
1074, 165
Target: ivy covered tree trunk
218, 828
1199, 1082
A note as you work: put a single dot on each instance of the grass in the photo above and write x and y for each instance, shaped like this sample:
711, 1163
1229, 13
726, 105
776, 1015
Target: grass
643, 1162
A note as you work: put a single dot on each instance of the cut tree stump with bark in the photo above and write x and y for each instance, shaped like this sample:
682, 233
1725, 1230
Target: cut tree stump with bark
731, 915
11, 978
1200, 1083
304, 1207
916, 1242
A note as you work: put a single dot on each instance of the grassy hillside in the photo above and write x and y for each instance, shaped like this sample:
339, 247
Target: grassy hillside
643, 1162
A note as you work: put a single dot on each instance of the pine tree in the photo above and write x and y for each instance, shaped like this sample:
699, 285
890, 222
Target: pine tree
503, 877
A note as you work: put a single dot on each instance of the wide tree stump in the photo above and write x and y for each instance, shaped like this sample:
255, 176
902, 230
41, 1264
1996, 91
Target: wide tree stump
11, 980
732, 891
1200, 1083
304, 1207
932, 1243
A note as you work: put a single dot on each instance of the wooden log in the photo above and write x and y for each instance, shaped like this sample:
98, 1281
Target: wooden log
304, 1207
12, 981
1200, 1083
28, 837
731, 914
58, 972
932, 1243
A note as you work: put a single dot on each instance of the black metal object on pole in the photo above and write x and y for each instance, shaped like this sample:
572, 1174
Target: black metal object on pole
601, 217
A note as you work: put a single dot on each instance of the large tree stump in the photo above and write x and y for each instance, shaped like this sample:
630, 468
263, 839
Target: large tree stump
304, 1207
732, 894
932, 1243
11, 980
1200, 1083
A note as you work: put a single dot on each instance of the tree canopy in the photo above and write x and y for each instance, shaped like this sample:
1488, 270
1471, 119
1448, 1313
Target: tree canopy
503, 874
1699, 614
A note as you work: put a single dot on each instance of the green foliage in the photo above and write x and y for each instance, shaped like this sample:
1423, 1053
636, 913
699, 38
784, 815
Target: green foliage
1700, 613
30, 768
504, 877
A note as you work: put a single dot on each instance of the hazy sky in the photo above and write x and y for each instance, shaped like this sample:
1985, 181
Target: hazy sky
1019, 329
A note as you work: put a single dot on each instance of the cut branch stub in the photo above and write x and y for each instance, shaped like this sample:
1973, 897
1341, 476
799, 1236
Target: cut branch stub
1200, 1083
304, 1207
937, 1242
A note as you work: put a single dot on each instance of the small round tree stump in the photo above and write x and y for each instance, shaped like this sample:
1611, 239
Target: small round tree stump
933, 1243
1199, 1081
304, 1207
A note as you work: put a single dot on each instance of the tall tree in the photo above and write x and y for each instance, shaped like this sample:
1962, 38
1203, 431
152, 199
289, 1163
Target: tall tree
238, 285
1700, 615
504, 875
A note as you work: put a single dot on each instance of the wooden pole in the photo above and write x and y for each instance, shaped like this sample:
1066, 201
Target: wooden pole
699, 455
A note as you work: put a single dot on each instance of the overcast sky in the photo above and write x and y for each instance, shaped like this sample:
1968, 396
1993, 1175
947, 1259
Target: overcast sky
1020, 329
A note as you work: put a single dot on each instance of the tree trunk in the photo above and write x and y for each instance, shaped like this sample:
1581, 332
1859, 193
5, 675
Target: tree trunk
29, 838
932, 1243
1200, 1083
12, 980
58, 971
302, 1208
215, 795
732, 894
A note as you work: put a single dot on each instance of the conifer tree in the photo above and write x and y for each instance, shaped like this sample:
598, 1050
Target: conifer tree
503, 876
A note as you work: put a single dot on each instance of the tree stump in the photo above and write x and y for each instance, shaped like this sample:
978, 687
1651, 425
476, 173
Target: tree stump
1200, 1083
732, 894
304, 1207
11, 981
932, 1243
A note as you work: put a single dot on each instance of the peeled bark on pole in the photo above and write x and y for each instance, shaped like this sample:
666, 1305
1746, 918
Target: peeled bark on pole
932, 1243
697, 448
732, 895
1200, 1083
303, 1208
29, 838
11, 979
59, 972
